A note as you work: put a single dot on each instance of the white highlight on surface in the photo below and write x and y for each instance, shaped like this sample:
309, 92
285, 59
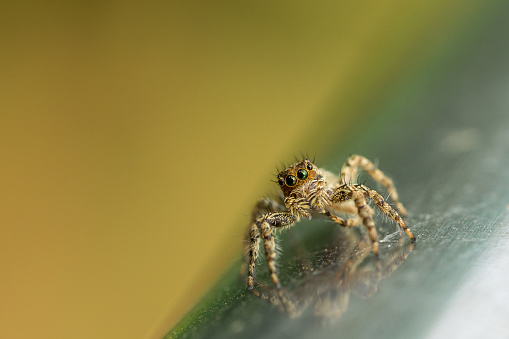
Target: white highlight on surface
480, 308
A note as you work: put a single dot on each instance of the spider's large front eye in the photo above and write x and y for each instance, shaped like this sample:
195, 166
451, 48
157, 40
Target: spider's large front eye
302, 174
291, 180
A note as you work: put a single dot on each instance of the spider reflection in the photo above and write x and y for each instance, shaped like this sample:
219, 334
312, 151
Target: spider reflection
331, 276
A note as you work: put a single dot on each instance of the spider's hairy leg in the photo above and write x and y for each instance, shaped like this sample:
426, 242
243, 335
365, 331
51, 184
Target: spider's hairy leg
352, 192
349, 174
265, 224
387, 209
267, 205
341, 221
251, 238
366, 214
252, 252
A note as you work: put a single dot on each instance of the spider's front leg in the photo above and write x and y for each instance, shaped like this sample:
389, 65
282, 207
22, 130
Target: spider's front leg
252, 237
264, 225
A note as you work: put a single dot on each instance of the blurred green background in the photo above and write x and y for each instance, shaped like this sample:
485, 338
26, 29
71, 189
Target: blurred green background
135, 138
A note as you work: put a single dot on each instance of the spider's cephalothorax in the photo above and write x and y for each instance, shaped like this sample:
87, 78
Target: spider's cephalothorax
307, 189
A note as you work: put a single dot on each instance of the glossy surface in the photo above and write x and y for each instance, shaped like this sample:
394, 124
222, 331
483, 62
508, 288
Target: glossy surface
449, 160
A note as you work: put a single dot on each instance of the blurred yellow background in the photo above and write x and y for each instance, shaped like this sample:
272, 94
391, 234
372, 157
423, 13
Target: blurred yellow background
135, 138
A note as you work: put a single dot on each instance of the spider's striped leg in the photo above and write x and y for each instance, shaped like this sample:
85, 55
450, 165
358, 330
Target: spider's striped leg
366, 214
252, 252
352, 192
265, 224
343, 222
349, 174
387, 209
252, 236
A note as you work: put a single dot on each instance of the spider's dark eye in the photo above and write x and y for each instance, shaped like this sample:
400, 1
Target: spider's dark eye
281, 182
310, 167
291, 180
302, 174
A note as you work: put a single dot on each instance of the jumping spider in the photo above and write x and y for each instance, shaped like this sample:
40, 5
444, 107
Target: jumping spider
308, 190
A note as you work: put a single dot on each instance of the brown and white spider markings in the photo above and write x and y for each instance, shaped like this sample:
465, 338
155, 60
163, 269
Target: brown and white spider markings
309, 190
